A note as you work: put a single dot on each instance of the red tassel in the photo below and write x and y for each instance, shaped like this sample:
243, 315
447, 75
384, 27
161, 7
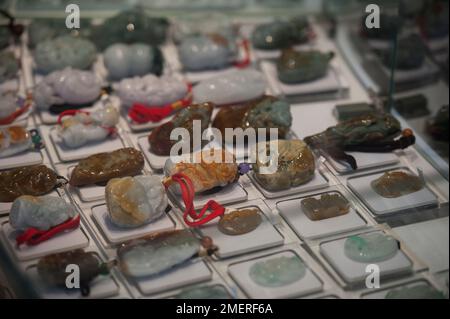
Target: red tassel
33, 236
141, 113
190, 216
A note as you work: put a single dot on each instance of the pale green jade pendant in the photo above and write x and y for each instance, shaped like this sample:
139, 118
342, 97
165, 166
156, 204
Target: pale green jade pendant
278, 272
369, 248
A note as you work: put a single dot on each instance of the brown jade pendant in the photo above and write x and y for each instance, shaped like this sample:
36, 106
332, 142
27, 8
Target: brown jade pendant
102, 167
30, 180
328, 206
240, 222
396, 184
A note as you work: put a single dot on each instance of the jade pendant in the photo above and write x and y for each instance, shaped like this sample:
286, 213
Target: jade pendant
368, 248
396, 184
278, 272
240, 222
327, 206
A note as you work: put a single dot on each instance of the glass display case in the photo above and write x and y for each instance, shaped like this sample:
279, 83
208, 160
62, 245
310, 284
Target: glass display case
223, 149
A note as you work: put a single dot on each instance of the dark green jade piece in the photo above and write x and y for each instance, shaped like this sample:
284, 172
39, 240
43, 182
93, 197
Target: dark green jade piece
302, 66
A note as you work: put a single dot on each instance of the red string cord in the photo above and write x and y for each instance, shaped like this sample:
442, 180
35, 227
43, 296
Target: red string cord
190, 216
246, 61
141, 113
33, 236
10, 118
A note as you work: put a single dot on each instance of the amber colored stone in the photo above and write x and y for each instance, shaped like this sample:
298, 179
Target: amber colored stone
327, 206
265, 112
17, 134
30, 180
159, 138
240, 222
397, 183
102, 167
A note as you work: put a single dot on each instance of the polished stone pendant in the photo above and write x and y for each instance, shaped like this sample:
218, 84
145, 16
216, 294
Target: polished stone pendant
239, 222
204, 171
327, 206
422, 291
281, 34
368, 248
152, 255
295, 164
302, 66
135, 201
396, 184
150, 90
206, 52
130, 26
53, 268
278, 272
267, 111
41, 213
33, 180
14, 140
204, 292
160, 139
101, 167
125, 61
81, 129
375, 132
65, 51
232, 87
67, 87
